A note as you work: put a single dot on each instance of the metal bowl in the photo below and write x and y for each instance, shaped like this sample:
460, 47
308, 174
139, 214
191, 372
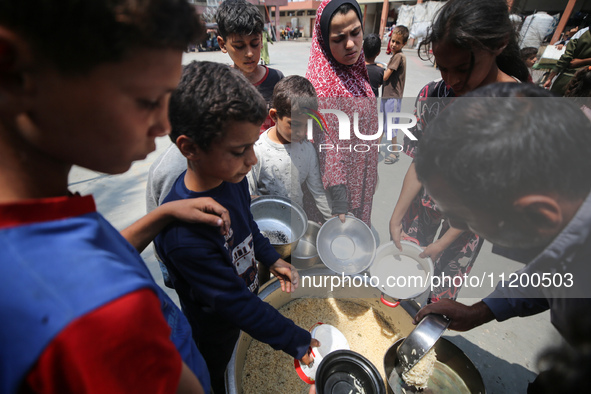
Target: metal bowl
305, 254
281, 220
346, 248
454, 372
418, 343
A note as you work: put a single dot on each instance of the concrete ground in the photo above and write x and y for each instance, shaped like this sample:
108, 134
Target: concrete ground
504, 353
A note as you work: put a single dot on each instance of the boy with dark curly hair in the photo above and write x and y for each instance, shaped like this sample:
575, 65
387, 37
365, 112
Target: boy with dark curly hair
216, 115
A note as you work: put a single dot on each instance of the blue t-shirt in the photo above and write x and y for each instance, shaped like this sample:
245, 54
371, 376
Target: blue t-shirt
219, 274
64, 263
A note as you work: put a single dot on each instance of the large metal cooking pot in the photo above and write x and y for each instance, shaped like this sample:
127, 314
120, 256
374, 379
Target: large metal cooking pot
281, 220
271, 293
454, 372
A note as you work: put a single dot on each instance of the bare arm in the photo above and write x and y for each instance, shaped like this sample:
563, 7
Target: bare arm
387, 74
196, 210
188, 383
410, 189
548, 82
436, 249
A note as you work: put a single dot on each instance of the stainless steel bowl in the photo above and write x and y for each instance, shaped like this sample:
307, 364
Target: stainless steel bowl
281, 220
346, 248
454, 372
421, 340
305, 254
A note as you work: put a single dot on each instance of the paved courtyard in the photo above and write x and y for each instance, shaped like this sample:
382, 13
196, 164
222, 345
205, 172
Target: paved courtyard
504, 353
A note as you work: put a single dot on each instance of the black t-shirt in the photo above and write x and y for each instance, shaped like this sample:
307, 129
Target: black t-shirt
376, 77
266, 85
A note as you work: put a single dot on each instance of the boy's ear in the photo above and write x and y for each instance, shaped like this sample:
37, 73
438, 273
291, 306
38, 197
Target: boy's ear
222, 44
188, 148
15, 59
273, 114
543, 213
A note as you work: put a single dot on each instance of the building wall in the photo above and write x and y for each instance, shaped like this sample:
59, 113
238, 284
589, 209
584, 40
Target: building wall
306, 20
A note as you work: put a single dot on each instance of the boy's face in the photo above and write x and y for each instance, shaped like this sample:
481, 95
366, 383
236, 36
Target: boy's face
230, 158
107, 118
506, 228
245, 51
291, 129
396, 43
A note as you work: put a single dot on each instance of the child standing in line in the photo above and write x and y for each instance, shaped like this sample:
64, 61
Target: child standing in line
287, 162
371, 50
474, 45
80, 311
394, 80
241, 25
215, 116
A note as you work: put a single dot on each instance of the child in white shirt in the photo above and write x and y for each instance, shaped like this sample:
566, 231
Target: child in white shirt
287, 162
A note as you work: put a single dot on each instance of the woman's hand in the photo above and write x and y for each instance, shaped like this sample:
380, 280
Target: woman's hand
396, 232
286, 274
341, 216
433, 251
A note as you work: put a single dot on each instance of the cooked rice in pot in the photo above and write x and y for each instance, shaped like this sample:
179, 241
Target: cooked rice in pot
368, 332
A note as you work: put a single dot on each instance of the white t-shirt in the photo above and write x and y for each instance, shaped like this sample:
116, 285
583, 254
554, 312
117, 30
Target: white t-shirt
282, 169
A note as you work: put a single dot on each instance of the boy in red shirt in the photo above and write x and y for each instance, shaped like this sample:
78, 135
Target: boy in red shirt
85, 83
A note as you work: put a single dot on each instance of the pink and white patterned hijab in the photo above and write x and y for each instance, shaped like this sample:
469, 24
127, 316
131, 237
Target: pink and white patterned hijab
329, 77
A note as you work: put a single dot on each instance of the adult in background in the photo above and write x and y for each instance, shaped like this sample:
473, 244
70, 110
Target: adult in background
576, 55
337, 70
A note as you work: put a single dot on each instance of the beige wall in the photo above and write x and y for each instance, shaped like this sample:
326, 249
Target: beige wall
303, 23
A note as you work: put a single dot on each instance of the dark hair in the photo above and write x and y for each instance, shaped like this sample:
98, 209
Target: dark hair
371, 46
478, 24
402, 31
580, 84
344, 9
239, 17
513, 140
75, 36
293, 90
209, 97
528, 52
